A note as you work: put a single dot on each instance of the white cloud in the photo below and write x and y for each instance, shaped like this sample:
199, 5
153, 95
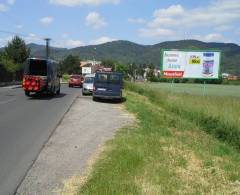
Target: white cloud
155, 32
46, 20
173, 10
72, 3
218, 12
136, 20
3, 7
95, 20
213, 37
32, 38
219, 15
11, 2
159, 21
68, 43
101, 40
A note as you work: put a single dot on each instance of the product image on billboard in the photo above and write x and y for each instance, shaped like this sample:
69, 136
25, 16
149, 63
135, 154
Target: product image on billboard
191, 64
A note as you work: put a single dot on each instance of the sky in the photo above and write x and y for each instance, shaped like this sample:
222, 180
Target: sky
73, 23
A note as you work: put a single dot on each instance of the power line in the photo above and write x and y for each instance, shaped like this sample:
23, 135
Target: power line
34, 37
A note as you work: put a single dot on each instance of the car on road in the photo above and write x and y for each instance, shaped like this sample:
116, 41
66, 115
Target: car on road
75, 80
87, 88
108, 85
41, 76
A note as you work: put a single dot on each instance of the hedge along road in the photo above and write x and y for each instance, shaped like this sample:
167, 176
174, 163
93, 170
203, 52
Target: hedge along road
25, 125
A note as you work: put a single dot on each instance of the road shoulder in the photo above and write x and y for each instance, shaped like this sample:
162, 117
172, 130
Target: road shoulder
76, 140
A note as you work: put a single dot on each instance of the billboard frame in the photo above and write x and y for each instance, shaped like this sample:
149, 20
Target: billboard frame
193, 50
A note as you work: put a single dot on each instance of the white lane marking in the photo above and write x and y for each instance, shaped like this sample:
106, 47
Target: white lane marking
7, 101
12, 87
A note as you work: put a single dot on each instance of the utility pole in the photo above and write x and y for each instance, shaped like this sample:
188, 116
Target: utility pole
47, 47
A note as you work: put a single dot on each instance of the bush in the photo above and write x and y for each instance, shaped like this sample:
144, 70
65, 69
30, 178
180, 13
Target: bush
66, 77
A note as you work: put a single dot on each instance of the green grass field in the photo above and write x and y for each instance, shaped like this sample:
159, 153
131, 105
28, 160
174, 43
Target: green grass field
180, 144
198, 89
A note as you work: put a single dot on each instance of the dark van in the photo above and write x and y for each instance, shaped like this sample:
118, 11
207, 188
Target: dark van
41, 76
108, 85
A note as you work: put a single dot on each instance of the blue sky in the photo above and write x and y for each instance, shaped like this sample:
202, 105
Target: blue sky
72, 23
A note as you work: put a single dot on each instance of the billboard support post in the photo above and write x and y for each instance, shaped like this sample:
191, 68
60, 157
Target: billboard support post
172, 85
204, 88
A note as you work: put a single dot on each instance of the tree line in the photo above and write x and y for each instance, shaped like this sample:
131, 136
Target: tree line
12, 58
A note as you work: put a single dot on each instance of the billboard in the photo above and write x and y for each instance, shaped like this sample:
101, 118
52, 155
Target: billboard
191, 64
86, 70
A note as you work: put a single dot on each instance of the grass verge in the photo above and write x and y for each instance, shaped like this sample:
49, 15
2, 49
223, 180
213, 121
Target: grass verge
164, 153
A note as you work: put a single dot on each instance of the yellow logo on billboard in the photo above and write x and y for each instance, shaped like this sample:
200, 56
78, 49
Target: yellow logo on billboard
195, 60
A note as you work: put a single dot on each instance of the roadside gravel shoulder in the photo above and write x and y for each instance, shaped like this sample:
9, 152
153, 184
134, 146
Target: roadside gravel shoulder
82, 131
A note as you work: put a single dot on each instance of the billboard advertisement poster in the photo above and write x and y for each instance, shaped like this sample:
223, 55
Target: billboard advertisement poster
86, 70
191, 64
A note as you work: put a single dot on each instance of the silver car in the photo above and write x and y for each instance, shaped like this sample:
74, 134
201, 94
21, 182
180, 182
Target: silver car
87, 88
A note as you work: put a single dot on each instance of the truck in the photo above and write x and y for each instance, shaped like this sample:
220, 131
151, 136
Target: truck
41, 76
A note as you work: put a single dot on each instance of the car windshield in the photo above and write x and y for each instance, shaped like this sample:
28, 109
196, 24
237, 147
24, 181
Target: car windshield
36, 67
89, 80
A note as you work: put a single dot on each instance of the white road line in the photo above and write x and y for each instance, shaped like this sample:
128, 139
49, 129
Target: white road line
7, 101
12, 87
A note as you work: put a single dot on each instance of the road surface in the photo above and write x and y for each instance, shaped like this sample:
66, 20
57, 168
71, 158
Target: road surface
25, 126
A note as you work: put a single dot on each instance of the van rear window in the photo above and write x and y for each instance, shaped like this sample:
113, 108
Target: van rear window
37, 67
108, 78
114, 78
102, 78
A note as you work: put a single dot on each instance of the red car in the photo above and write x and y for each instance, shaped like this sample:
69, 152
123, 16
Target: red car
75, 80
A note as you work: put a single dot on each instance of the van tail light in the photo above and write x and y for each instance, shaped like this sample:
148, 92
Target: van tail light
36, 88
94, 88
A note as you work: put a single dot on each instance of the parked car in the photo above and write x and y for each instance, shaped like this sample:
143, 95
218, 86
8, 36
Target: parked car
87, 88
108, 85
41, 75
75, 80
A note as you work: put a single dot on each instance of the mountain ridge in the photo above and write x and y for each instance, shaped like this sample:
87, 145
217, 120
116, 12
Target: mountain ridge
129, 52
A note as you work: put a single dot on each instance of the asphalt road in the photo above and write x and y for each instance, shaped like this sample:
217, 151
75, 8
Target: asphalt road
25, 126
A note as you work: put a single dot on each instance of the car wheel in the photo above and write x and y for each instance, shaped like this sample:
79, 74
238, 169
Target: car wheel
58, 91
52, 92
27, 93
69, 86
95, 99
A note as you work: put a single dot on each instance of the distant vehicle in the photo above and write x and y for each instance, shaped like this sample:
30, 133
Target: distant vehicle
88, 84
41, 76
108, 85
75, 80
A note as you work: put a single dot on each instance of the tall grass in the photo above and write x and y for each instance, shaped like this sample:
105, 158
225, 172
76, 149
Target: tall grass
219, 116
163, 153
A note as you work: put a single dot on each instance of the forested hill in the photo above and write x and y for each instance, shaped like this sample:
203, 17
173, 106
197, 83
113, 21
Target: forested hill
129, 52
